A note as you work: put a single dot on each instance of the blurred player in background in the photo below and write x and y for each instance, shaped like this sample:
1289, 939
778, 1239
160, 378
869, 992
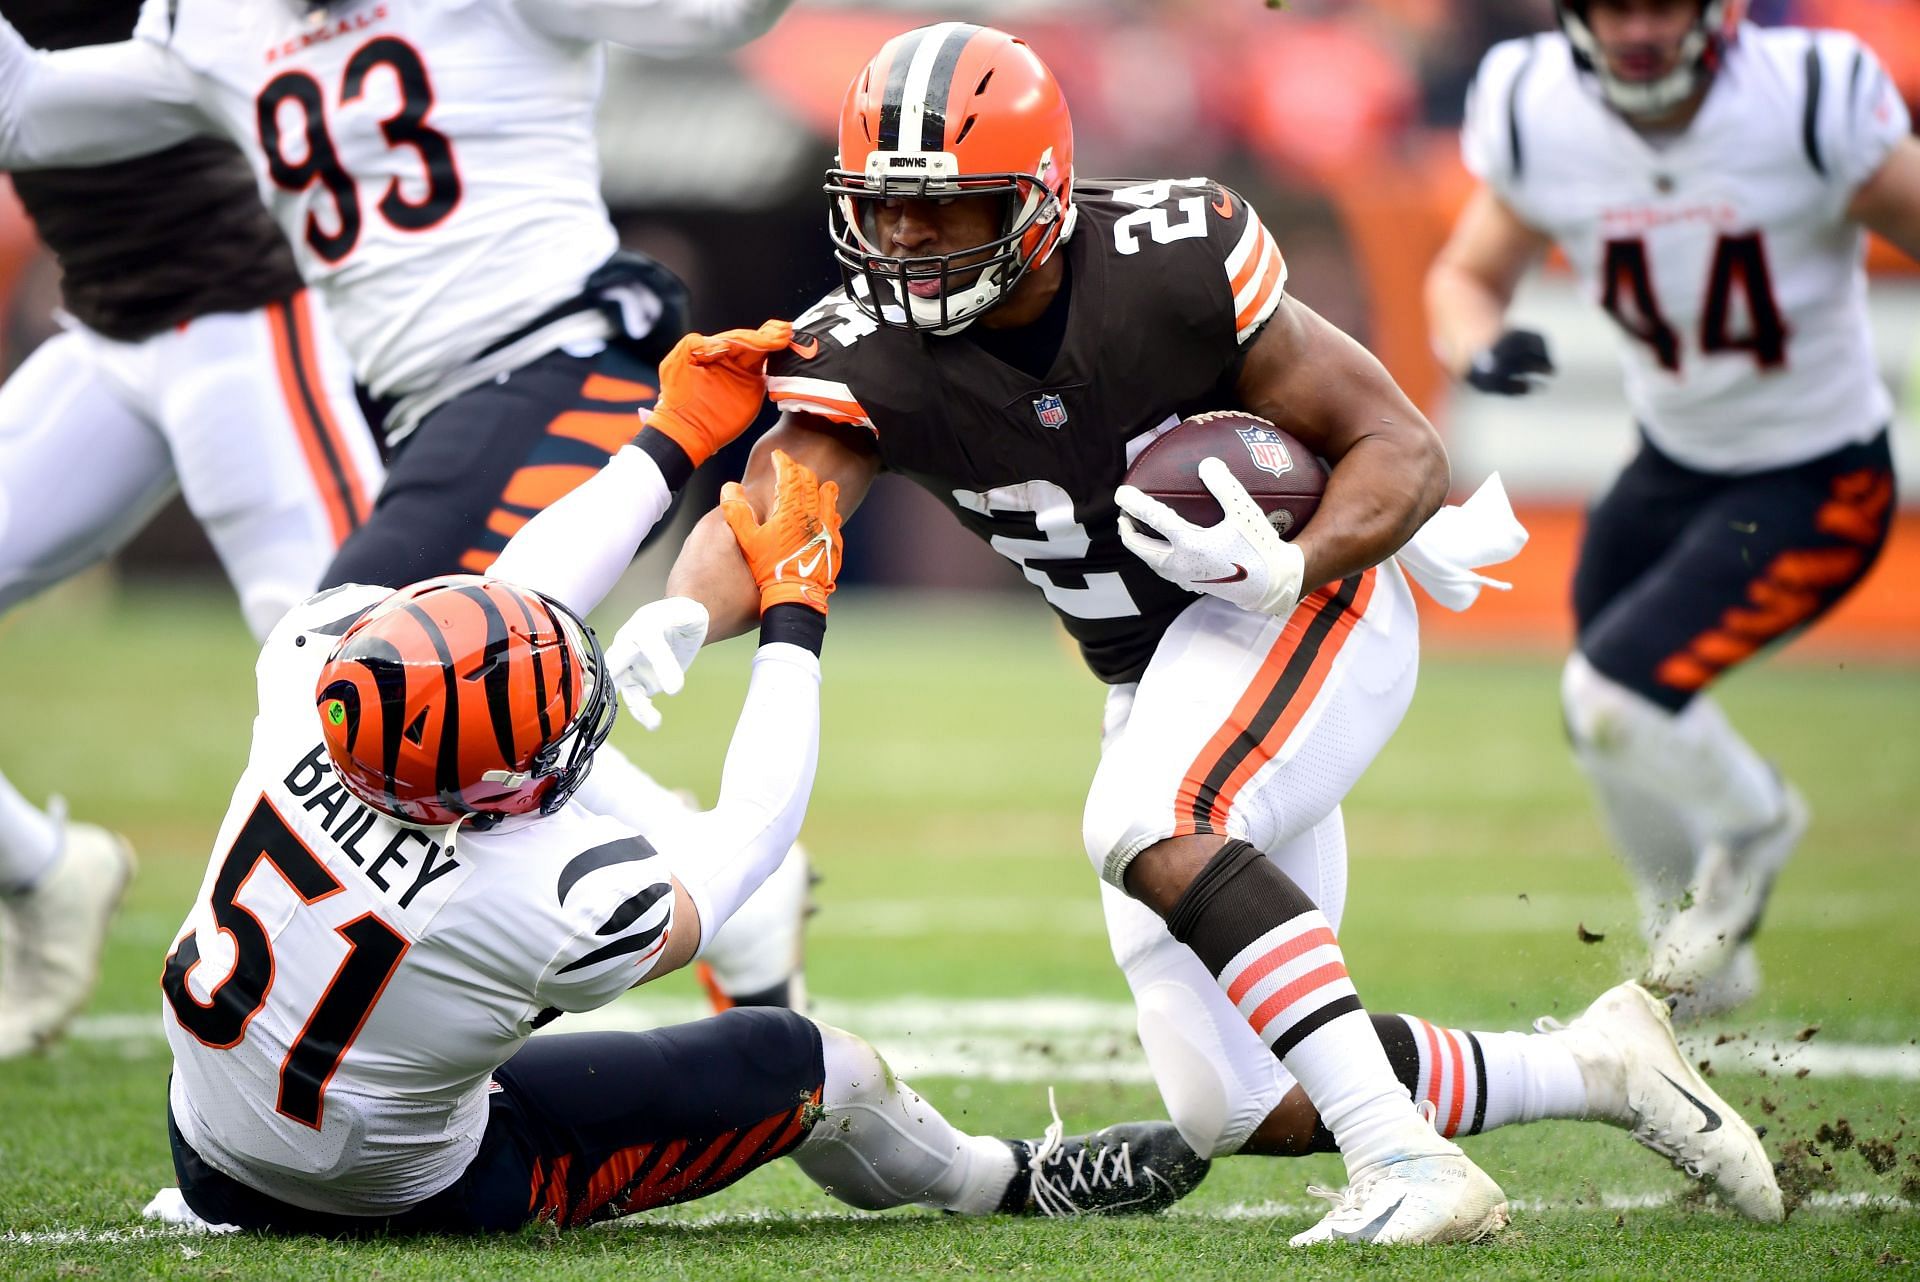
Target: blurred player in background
433, 165
1709, 181
1010, 340
190, 360
349, 1022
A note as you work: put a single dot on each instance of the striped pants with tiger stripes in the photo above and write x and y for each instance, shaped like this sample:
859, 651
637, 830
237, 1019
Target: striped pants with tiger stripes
588, 1126
485, 463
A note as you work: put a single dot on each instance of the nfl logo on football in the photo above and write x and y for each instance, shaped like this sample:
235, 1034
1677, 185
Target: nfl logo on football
1267, 450
1051, 410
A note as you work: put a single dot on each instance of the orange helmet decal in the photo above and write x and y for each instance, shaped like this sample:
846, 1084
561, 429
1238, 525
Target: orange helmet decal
464, 697
948, 110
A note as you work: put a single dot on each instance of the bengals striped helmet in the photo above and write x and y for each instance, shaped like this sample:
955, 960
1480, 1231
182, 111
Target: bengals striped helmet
1700, 55
464, 697
945, 111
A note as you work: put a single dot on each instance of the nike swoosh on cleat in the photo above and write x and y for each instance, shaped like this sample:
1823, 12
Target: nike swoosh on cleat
1239, 573
1368, 1232
1712, 1118
1223, 204
807, 345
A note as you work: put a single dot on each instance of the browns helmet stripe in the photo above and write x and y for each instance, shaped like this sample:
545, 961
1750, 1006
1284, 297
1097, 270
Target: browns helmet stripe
933, 124
495, 672
892, 97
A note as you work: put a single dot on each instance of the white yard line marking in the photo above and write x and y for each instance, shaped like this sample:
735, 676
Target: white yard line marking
1614, 1201
1069, 1039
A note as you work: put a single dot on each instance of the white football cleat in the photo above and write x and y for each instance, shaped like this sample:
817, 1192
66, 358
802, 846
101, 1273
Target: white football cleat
1433, 1199
52, 935
1725, 900
1637, 1078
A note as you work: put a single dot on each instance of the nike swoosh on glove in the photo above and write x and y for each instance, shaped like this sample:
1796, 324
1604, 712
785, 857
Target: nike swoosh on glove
652, 651
1243, 559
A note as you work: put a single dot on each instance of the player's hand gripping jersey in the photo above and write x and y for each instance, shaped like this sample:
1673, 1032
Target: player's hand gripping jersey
1722, 251
431, 162
1170, 280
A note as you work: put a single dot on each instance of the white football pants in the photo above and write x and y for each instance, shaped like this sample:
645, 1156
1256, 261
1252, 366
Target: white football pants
1255, 728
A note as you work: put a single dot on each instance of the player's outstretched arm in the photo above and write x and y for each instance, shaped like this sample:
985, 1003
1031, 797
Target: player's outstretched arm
657, 26
710, 568
1468, 289
93, 105
711, 388
1889, 202
1389, 469
721, 856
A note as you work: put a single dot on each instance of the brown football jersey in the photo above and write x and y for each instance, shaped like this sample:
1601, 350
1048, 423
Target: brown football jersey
147, 243
1170, 281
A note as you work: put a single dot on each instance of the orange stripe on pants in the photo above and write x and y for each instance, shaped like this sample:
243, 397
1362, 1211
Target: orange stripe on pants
340, 521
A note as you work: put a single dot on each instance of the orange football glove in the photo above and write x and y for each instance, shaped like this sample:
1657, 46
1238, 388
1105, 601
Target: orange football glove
795, 553
711, 386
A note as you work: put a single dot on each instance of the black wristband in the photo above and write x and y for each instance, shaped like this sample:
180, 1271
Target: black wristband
667, 455
793, 624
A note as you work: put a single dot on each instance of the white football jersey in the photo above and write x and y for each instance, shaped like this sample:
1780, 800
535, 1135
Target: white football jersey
432, 162
1723, 251
344, 985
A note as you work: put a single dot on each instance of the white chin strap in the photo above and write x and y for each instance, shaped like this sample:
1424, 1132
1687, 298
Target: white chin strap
1641, 97
965, 306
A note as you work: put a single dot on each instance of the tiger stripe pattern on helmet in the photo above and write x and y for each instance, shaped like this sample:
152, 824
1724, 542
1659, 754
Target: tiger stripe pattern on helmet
456, 698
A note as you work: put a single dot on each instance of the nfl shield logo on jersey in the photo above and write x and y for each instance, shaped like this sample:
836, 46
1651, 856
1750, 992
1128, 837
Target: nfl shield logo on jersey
1267, 450
1051, 410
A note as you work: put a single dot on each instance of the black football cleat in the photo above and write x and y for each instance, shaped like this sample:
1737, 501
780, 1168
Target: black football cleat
1134, 1168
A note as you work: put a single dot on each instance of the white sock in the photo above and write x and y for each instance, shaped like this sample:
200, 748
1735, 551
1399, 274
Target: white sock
879, 1144
1530, 1078
29, 840
1345, 1072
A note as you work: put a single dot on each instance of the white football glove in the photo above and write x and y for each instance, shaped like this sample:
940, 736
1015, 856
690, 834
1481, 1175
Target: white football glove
1243, 559
652, 651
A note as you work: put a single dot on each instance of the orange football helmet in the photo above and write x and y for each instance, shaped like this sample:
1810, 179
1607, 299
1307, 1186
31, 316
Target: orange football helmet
951, 110
464, 697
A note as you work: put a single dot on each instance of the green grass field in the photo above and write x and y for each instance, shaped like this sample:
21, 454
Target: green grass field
958, 743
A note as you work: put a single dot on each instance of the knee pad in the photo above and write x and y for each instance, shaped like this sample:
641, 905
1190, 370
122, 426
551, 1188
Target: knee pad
1214, 1101
1115, 826
1600, 713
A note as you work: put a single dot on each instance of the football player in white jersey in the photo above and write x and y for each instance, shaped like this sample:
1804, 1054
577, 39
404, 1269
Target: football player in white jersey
416, 872
190, 360
1710, 183
433, 166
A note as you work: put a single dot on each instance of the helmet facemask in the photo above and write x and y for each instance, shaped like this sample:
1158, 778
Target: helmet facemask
1699, 56
1031, 225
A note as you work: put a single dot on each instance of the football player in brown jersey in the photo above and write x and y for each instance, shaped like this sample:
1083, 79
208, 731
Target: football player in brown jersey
1010, 339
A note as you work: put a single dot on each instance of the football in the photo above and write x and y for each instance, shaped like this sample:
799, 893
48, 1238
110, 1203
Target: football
1281, 474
